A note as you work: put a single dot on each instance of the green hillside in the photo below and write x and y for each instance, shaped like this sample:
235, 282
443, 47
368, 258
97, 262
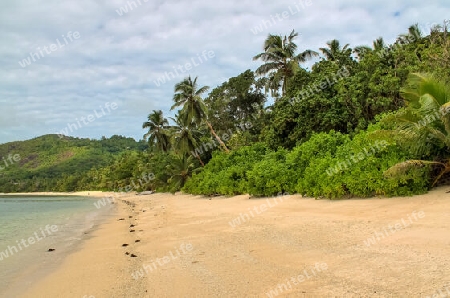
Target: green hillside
51, 163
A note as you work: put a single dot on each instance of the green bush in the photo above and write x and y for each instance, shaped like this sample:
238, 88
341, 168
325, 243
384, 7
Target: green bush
356, 169
226, 174
271, 175
328, 165
310, 161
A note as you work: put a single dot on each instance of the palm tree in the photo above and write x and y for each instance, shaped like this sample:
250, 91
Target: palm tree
185, 136
188, 95
335, 53
413, 35
180, 169
378, 46
425, 122
158, 134
281, 60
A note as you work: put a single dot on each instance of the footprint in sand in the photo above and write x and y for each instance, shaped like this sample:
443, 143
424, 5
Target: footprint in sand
131, 231
124, 245
137, 241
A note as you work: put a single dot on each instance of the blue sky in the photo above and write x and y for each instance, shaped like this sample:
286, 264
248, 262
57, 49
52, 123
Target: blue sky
85, 56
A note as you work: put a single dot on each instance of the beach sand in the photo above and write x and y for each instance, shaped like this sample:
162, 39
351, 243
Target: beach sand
299, 247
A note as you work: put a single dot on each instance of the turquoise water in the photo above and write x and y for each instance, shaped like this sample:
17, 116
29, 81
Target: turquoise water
29, 226
19, 217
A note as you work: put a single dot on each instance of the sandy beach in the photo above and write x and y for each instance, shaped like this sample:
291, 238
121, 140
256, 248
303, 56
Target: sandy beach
164, 245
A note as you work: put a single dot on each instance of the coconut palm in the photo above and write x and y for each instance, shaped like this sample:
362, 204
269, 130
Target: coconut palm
335, 53
185, 136
180, 169
413, 35
378, 46
424, 123
281, 60
158, 133
188, 95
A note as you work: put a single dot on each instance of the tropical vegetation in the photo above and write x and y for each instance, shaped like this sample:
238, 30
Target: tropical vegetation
361, 121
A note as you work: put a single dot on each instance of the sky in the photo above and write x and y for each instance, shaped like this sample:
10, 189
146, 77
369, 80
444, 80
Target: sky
97, 68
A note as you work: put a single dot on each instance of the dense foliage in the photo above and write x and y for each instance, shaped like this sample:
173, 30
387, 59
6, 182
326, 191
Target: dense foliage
320, 138
328, 165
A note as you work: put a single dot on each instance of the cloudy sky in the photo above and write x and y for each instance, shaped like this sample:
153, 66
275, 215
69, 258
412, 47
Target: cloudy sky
96, 68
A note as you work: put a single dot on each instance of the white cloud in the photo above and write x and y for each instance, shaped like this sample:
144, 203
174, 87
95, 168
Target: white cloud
117, 58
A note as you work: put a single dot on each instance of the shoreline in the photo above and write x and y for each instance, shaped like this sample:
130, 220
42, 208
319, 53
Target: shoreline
96, 257
263, 250
74, 231
94, 194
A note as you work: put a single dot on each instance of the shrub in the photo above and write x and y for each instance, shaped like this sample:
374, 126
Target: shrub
271, 175
357, 168
226, 174
328, 165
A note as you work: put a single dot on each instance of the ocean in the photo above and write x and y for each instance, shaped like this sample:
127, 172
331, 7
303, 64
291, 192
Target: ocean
30, 226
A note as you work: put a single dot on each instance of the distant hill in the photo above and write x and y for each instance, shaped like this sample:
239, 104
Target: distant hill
53, 163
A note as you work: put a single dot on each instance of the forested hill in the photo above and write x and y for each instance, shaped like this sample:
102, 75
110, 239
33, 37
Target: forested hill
59, 164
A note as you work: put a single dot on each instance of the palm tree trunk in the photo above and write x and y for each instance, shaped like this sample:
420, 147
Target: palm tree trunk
200, 160
217, 137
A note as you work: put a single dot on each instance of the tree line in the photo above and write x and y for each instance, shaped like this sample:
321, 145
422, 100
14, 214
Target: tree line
350, 92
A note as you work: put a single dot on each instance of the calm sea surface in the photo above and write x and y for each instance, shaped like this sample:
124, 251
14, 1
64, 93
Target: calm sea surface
29, 226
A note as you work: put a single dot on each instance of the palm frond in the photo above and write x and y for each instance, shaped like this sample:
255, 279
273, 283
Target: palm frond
403, 167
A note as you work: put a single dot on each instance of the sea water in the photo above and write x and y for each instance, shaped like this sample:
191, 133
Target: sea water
30, 226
